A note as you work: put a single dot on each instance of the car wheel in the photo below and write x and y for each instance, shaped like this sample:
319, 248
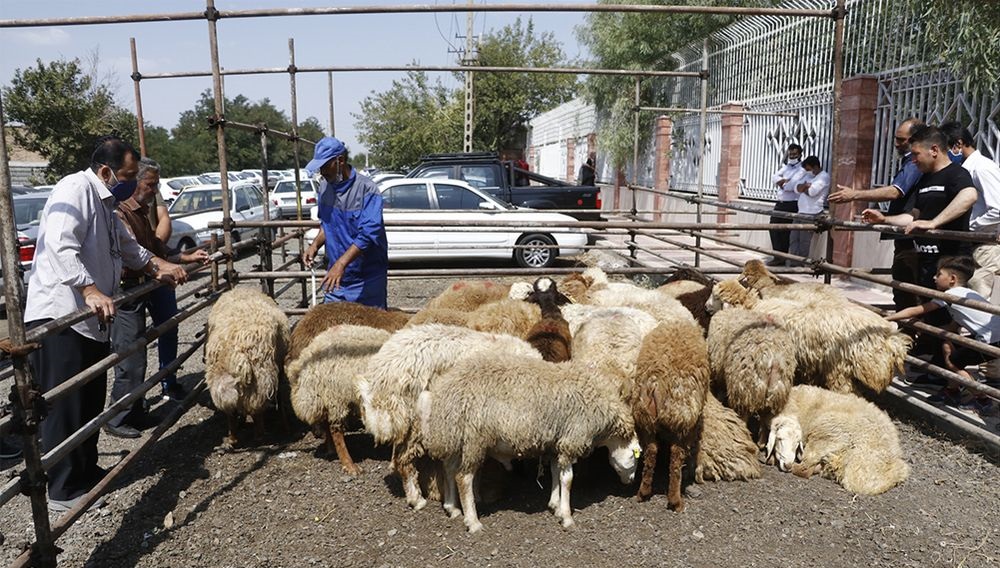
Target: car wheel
185, 245
536, 254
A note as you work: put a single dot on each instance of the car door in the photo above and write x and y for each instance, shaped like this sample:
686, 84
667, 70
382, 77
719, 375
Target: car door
457, 206
409, 202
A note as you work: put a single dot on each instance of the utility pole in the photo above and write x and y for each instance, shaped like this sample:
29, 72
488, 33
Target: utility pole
329, 79
469, 58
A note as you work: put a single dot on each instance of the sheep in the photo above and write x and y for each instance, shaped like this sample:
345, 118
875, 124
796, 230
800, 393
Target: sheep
550, 335
757, 277
842, 436
752, 359
496, 405
667, 399
726, 452
506, 316
593, 287
324, 381
324, 316
467, 295
246, 344
843, 345
404, 366
446, 316
692, 289
608, 338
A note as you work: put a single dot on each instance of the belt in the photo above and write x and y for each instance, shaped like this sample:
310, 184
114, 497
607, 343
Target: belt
134, 281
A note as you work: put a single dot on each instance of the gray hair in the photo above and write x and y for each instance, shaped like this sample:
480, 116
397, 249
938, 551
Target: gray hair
145, 166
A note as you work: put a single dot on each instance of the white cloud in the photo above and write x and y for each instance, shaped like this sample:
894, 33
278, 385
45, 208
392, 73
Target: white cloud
42, 36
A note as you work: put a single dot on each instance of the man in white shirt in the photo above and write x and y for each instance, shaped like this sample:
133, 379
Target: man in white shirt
79, 254
812, 188
788, 199
985, 216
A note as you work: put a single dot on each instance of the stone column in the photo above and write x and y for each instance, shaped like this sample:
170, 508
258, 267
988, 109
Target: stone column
661, 163
855, 153
731, 156
570, 159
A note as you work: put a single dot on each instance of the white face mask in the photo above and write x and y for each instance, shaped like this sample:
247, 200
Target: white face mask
792, 162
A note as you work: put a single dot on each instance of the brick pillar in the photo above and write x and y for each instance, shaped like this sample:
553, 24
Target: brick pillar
731, 148
570, 159
855, 152
661, 163
531, 158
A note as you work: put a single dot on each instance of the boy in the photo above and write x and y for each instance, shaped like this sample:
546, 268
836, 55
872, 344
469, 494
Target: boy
952, 275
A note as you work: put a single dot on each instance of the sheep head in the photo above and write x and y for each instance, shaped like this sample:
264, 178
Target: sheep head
756, 275
731, 293
784, 442
545, 293
575, 287
520, 291
623, 454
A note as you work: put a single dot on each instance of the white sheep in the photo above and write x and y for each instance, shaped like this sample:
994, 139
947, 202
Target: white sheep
594, 288
403, 368
246, 344
467, 295
324, 380
842, 436
608, 338
753, 359
505, 407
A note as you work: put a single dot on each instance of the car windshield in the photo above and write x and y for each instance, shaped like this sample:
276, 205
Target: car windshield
289, 186
202, 200
28, 211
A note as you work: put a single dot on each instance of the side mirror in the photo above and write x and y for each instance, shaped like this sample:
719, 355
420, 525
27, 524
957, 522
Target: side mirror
486, 205
244, 207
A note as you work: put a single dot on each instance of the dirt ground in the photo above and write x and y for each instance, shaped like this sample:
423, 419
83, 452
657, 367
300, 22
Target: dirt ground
282, 501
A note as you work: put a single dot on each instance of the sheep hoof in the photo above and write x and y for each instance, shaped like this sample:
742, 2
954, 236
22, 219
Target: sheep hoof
352, 470
568, 522
420, 504
475, 527
643, 495
554, 507
676, 507
453, 512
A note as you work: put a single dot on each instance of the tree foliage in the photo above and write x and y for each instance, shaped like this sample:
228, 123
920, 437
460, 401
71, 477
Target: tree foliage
965, 36
64, 111
413, 117
506, 102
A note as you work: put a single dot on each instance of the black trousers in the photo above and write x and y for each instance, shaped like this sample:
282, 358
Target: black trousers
781, 239
906, 268
61, 356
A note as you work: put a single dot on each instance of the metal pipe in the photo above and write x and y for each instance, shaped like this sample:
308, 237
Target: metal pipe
416, 9
956, 425
25, 410
635, 161
954, 377
267, 286
702, 134
136, 78
563, 225
433, 69
329, 80
211, 14
296, 151
401, 273
258, 128
839, 13
720, 111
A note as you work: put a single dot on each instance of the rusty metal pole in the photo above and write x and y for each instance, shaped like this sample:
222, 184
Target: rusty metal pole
136, 77
213, 247
839, 14
329, 81
635, 164
297, 155
25, 395
264, 233
212, 15
702, 133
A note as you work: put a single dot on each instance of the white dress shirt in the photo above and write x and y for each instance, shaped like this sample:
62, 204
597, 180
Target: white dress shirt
986, 177
80, 242
811, 200
787, 172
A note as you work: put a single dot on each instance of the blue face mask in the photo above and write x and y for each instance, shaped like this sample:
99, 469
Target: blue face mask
956, 158
122, 190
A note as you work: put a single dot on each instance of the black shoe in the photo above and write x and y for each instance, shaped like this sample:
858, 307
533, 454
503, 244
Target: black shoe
174, 391
10, 448
123, 431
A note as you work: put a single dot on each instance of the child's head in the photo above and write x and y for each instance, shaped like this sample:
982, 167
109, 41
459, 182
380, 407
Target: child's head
954, 271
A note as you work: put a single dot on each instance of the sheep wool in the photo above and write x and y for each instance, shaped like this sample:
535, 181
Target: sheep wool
325, 380
846, 439
467, 295
444, 316
505, 316
246, 344
608, 338
726, 451
324, 316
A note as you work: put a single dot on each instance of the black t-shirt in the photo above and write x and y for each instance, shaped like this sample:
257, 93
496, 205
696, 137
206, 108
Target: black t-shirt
931, 195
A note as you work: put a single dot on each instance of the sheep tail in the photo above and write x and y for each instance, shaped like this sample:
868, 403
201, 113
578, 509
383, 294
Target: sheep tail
225, 393
424, 410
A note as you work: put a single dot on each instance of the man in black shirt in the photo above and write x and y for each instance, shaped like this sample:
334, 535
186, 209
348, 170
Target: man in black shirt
942, 199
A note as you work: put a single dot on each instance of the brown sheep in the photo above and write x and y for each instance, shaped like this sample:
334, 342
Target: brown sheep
467, 295
550, 335
324, 316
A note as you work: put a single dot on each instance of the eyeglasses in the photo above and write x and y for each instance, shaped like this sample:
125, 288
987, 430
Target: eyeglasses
901, 139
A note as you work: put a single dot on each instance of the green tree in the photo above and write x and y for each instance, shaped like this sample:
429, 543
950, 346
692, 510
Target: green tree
64, 111
965, 36
412, 118
506, 102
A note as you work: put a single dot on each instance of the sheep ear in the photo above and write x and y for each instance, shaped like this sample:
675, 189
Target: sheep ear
769, 453
798, 452
744, 281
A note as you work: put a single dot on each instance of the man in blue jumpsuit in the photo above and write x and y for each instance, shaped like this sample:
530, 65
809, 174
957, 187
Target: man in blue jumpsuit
350, 214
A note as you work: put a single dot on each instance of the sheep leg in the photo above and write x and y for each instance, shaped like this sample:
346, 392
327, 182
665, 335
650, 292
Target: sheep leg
805, 471
258, 426
648, 467
337, 435
465, 483
404, 457
554, 494
678, 456
566, 483
233, 422
449, 489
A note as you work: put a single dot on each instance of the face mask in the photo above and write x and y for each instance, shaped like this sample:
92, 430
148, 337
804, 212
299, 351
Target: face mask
792, 162
956, 158
121, 190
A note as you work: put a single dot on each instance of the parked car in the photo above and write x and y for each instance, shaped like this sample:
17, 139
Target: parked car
454, 203
170, 188
283, 196
27, 215
379, 178
199, 205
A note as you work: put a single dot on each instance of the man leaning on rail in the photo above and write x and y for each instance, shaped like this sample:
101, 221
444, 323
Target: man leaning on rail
81, 249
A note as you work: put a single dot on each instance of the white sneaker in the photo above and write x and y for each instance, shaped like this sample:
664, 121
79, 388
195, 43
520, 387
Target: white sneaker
61, 506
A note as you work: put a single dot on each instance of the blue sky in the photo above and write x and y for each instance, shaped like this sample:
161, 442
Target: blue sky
384, 39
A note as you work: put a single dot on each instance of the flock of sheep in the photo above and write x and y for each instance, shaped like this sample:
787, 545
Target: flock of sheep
552, 370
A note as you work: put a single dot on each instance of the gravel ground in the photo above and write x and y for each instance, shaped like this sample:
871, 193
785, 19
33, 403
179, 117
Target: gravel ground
282, 501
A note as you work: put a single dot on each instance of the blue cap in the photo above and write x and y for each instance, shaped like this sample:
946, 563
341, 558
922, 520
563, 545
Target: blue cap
326, 149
